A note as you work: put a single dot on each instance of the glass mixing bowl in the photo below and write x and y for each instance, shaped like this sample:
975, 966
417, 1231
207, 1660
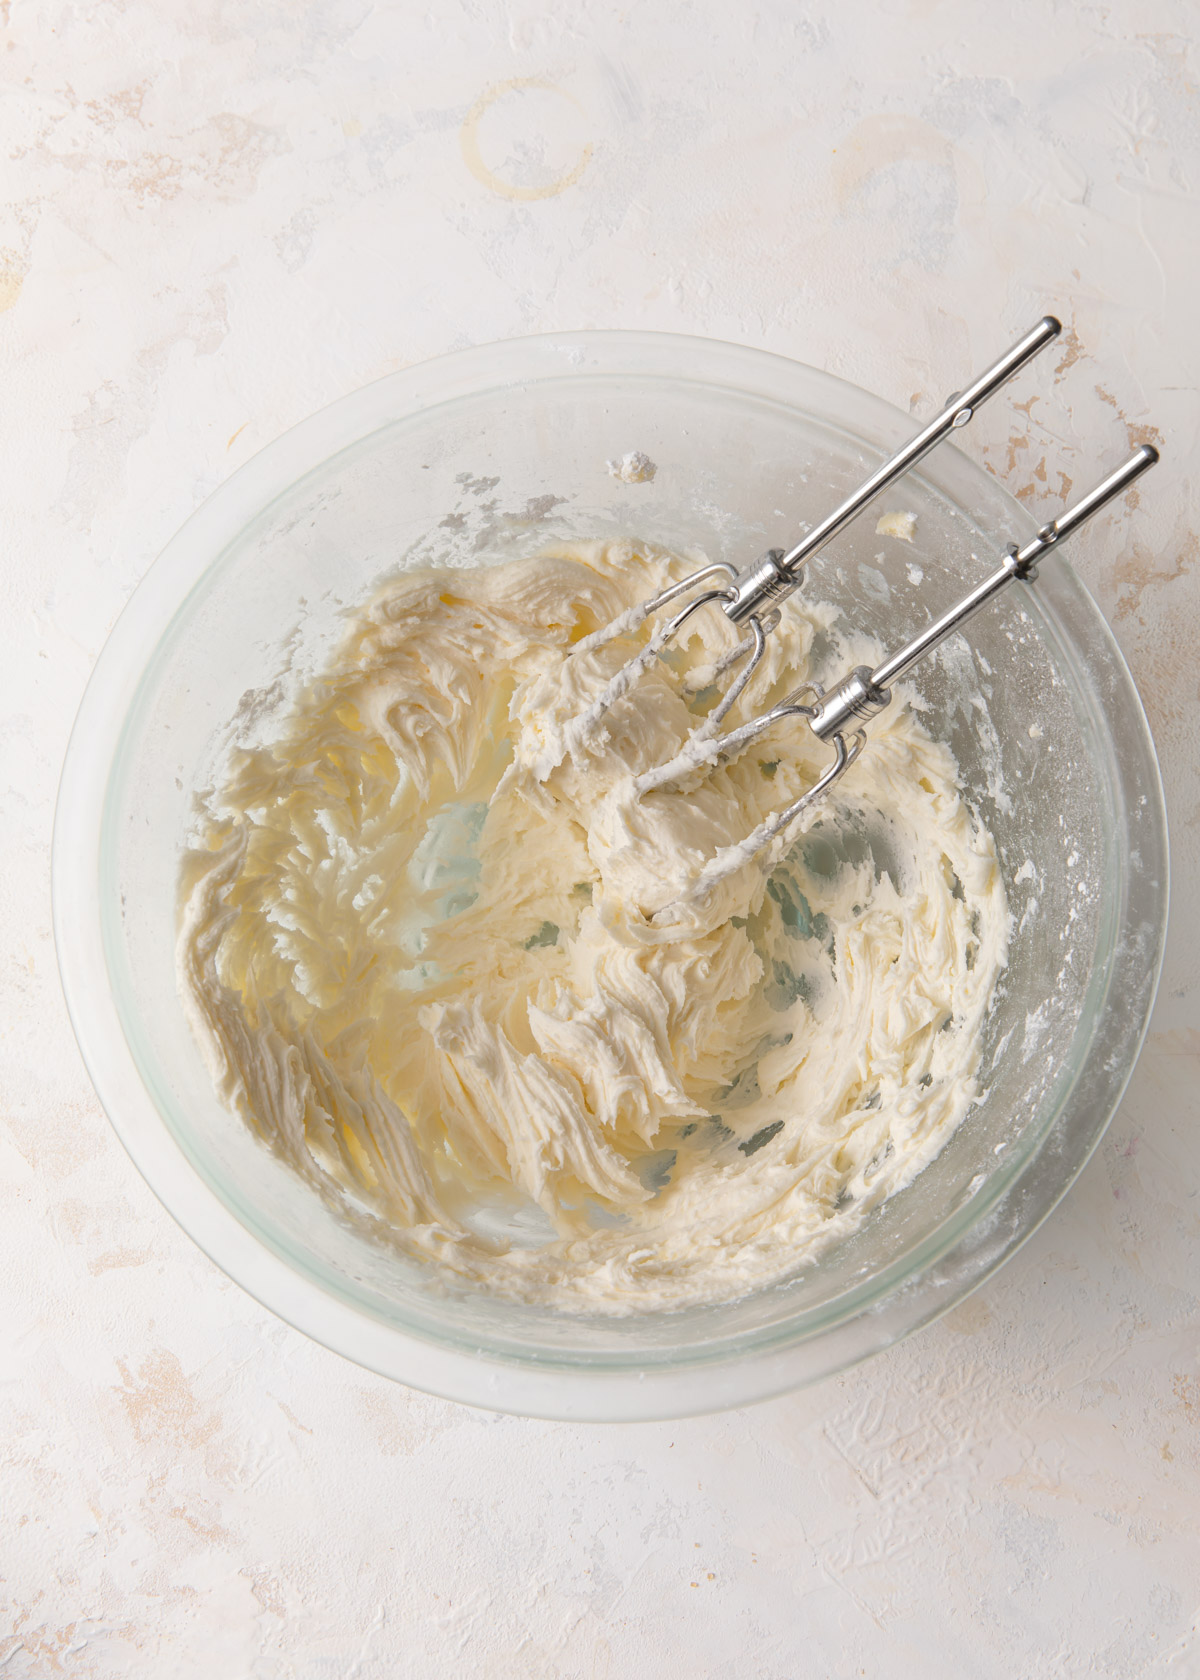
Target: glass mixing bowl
495, 452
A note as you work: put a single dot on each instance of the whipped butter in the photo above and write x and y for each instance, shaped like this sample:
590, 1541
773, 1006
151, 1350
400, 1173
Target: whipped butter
447, 961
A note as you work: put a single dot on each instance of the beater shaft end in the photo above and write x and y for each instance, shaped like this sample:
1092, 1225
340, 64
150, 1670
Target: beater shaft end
760, 584
852, 701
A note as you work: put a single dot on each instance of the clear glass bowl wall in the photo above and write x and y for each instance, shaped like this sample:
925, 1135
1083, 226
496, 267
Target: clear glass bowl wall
500, 452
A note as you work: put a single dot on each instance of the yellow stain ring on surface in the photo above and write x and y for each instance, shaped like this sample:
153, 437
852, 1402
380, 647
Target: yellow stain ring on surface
473, 158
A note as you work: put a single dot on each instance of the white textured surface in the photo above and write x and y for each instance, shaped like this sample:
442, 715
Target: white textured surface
218, 217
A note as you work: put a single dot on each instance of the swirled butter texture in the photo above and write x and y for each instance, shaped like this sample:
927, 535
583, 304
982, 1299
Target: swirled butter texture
449, 964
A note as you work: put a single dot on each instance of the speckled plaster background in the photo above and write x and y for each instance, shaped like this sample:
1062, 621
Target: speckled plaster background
219, 216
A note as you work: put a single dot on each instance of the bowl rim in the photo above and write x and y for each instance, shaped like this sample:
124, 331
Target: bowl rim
495, 1381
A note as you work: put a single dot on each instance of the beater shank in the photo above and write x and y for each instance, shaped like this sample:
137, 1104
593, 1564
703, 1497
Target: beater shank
778, 573
864, 693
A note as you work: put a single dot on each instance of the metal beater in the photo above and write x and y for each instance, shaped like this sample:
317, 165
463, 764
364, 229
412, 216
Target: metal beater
862, 693
745, 594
